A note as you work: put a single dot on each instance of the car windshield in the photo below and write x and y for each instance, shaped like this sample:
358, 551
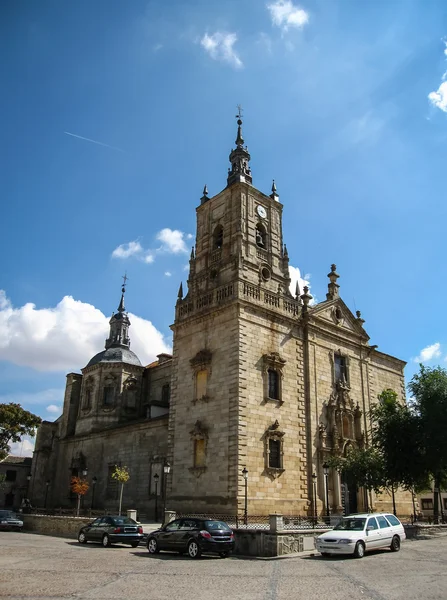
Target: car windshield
210, 525
124, 521
350, 524
7, 514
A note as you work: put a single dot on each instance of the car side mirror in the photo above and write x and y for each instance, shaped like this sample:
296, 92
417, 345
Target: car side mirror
370, 528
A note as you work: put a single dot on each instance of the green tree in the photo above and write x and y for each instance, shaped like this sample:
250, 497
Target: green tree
362, 465
122, 475
15, 422
429, 402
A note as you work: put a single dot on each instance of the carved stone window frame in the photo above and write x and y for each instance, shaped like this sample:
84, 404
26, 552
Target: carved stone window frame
346, 357
274, 433
130, 387
274, 362
88, 392
110, 381
199, 432
201, 362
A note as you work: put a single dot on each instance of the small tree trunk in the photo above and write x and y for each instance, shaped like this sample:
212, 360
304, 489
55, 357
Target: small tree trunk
436, 501
78, 505
394, 499
121, 498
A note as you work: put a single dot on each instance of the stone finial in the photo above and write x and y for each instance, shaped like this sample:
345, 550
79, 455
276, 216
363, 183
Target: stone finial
359, 319
333, 286
180, 291
286, 253
274, 194
204, 198
306, 298
297, 291
192, 254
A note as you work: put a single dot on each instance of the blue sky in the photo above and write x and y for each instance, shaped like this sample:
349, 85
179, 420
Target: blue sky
345, 106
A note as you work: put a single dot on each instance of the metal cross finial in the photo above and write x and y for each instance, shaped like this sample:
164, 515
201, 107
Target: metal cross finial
125, 278
239, 111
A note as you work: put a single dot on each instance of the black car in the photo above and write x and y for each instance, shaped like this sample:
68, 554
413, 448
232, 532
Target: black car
193, 536
109, 529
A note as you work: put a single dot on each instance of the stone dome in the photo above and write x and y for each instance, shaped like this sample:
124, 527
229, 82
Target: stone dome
116, 355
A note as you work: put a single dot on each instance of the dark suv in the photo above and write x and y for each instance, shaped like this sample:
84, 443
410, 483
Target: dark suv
194, 536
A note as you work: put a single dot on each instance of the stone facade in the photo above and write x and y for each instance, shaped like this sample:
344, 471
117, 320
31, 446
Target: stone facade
260, 379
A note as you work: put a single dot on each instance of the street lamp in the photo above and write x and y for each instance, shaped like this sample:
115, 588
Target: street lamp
245, 475
28, 479
326, 485
94, 482
156, 478
166, 471
84, 472
314, 486
47, 484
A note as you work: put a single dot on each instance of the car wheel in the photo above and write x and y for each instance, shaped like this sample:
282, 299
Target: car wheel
359, 551
194, 549
135, 544
82, 538
325, 554
152, 546
395, 544
105, 541
224, 554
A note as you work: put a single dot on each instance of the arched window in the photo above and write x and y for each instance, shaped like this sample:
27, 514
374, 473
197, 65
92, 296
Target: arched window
261, 236
218, 237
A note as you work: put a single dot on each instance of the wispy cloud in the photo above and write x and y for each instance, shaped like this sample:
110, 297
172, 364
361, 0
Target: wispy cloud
168, 274
220, 46
172, 241
429, 353
80, 137
285, 14
439, 97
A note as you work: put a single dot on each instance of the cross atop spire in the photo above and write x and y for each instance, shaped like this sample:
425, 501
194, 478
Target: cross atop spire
119, 323
239, 157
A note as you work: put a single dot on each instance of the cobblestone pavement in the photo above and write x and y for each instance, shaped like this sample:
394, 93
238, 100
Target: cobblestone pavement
42, 567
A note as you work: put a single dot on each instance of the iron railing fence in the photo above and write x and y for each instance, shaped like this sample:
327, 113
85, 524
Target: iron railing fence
261, 522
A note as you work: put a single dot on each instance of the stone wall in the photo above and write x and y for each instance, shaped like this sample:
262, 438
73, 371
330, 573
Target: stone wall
57, 526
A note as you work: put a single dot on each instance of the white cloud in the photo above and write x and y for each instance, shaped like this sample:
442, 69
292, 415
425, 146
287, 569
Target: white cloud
148, 257
172, 241
429, 353
219, 46
23, 448
285, 14
52, 408
67, 336
168, 274
295, 276
439, 98
126, 250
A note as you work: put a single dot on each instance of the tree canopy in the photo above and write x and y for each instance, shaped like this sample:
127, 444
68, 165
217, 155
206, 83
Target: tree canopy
15, 422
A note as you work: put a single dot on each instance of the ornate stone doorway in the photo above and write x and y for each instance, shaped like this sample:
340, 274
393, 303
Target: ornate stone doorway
348, 495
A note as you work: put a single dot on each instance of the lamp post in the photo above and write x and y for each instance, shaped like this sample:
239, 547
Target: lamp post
28, 479
47, 484
326, 485
314, 486
245, 475
166, 470
94, 482
156, 478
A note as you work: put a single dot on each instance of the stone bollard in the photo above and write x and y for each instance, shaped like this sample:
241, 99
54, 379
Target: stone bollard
132, 514
276, 523
169, 516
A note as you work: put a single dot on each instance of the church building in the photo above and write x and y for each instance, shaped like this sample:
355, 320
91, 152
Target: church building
263, 386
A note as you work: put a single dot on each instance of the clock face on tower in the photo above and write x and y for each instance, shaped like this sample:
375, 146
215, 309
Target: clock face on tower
261, 211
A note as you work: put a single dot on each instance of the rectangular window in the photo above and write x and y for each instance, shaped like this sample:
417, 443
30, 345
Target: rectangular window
275, 454
427, 504
341, 370
273, 384
201, 384
11, 475
87, 398
199, 453
109, 395
165, 393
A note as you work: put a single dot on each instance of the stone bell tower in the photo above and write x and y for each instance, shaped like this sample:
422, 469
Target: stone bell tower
234, 356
